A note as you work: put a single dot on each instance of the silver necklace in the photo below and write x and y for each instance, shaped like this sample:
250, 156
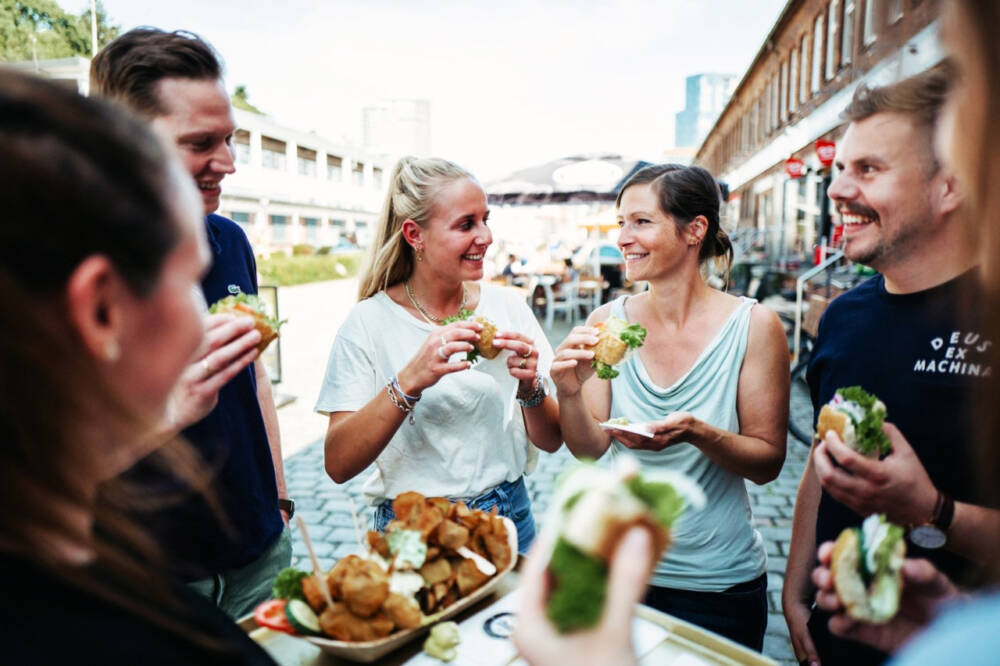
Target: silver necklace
423, 311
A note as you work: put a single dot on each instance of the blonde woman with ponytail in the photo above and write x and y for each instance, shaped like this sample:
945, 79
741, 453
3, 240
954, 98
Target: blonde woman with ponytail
399, 391
711, 382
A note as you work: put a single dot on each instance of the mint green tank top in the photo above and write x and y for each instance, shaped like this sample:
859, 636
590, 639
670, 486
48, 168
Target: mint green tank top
716, 547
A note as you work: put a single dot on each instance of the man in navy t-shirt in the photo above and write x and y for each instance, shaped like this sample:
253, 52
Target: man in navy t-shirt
229, 543
904, 335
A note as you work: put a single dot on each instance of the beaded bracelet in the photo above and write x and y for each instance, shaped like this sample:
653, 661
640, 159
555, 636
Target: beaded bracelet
537, 395
400, 402
412, 399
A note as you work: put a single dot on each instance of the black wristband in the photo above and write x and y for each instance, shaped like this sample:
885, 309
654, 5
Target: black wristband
287, 505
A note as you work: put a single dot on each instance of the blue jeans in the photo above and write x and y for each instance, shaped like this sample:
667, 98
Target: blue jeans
738, 613
510, 498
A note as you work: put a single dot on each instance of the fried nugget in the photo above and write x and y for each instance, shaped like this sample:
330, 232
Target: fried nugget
313, 593
463, 515
404, 504
339, 623
403, 612
365, 589
436, 571
484, 345
377, 542
468, 577
498, 549
451, 535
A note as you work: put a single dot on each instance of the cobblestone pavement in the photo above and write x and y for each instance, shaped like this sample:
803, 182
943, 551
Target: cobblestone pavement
326, 508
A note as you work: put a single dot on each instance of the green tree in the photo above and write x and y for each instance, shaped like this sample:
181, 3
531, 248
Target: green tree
40, 28
241, 100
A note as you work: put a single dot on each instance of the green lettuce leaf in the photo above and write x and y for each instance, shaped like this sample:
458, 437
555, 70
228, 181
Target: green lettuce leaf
633, 335
604, 371
288, 584
579, 587
664, 501
250, 300
871, 438
473, 355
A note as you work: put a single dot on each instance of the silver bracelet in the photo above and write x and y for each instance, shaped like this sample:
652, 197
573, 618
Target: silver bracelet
400, 403
412, 399
537, 395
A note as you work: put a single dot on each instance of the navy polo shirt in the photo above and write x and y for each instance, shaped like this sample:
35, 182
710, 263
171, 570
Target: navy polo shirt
233, 442
923, 355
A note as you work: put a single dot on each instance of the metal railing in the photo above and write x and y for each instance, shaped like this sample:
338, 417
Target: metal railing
824, 266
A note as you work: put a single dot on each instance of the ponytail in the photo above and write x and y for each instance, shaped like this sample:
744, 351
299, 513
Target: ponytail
413, 184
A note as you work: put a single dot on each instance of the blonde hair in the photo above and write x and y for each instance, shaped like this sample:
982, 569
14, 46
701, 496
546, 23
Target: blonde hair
413, 186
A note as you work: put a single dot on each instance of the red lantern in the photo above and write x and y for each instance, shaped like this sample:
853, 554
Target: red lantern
795, 168
826, 151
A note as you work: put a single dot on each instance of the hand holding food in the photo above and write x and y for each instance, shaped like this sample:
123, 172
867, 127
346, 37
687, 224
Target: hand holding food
243, 305
856, 416
431, 556
615, 337
865, 567
593, 508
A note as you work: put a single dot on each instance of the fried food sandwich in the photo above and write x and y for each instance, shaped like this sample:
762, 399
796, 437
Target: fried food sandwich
866, 568
856, 416
243, 305
614, 338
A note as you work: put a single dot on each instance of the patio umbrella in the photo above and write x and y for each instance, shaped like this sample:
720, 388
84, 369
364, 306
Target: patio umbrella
578, 179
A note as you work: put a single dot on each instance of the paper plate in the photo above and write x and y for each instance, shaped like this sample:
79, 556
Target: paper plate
368, 651
636, 428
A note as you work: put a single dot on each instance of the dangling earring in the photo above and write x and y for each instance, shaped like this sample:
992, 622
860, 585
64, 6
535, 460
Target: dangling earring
112, 351
419, 253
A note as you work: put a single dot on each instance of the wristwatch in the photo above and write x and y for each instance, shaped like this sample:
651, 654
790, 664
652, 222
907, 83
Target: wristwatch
935, 533
287, 505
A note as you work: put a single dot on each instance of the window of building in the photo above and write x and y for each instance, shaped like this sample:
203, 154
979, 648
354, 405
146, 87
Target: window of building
817, 55
273, 153
775, 96
833, 18
847, 33
312, 229
893, 11
307, 161
804, 77
242, 218
783, 94
241, 146
278, 224
335, 168
869, 29
358, 174
793, 80
339, 224
377, 177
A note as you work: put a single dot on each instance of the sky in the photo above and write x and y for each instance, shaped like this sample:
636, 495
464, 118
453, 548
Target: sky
511, 83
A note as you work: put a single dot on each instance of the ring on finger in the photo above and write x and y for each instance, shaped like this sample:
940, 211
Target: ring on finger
523, 364
442, 353
527, 353
206, 367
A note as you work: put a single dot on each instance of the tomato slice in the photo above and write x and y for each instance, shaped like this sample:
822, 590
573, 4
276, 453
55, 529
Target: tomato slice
271, 614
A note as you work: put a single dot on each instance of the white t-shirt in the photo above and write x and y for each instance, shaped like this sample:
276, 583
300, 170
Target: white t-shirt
469, 434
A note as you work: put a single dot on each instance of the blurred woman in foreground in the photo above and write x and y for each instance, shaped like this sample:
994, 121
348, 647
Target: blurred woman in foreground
101, 250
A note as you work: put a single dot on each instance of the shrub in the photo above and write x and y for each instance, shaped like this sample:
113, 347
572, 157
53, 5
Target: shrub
301, 249
285, 271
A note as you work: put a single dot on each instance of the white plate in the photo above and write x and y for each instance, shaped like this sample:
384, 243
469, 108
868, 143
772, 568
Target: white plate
635, 428
368, 651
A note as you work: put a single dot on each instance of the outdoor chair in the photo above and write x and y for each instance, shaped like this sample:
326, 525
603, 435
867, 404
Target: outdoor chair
562, 301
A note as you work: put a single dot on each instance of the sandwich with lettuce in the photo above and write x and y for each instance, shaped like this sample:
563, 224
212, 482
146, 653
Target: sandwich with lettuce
856, 416
866, 567
614, 338
244, 305
591, 511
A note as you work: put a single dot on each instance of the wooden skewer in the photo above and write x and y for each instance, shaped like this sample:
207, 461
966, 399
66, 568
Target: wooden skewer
321, 578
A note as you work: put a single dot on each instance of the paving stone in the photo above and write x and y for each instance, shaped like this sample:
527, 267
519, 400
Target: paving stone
766, 511
777, 564
778, 647
773, 500
776, 624
772, 548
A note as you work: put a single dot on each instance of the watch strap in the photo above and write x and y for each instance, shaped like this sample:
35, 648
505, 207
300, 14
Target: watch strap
287, 505
944, 511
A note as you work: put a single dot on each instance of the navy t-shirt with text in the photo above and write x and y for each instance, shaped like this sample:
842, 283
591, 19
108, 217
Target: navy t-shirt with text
923, 355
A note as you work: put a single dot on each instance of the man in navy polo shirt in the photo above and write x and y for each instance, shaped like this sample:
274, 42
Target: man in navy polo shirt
229, 544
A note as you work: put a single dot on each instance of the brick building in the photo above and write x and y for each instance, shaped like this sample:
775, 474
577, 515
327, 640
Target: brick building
792, 94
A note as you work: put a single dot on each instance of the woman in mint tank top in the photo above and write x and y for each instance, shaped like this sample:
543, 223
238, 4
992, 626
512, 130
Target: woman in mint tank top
711, 381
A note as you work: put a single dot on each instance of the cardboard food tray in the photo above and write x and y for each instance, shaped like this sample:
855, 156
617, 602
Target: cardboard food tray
368, 651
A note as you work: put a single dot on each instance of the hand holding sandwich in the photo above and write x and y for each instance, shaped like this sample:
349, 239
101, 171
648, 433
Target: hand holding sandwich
607, 643
435, 359
897, 486
230, 345
572, 364
924, 587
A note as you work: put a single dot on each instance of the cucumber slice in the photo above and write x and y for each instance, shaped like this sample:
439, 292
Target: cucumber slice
302, 618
